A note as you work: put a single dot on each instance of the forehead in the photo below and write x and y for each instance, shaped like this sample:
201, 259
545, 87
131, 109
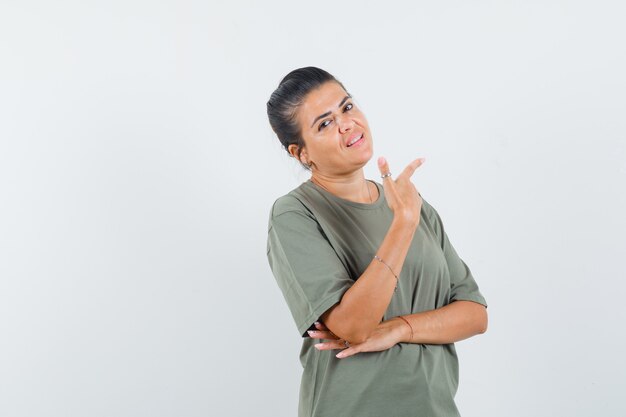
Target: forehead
321, 100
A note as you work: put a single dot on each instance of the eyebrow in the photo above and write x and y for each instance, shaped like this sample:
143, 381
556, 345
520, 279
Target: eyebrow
321, 116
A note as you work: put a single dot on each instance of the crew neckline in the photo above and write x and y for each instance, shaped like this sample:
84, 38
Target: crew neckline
368, 206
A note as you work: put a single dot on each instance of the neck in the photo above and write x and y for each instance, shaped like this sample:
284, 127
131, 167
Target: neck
352, 187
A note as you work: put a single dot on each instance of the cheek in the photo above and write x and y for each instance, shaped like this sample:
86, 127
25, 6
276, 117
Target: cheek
317, 147
360, 117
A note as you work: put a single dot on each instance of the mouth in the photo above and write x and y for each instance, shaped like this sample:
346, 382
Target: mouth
356, 140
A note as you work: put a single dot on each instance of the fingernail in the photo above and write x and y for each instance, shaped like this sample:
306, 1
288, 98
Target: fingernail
317, 323
310, 331
318, 345
339, 355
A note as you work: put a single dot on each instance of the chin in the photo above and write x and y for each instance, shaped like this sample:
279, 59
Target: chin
365, 160
369, 155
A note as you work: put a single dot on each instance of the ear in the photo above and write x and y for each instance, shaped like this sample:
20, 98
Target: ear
293, 150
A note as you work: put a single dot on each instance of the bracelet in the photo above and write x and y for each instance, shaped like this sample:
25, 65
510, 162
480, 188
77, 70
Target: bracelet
394, 274
411, 327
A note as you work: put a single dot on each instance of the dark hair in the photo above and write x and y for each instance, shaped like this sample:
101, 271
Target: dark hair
284, 102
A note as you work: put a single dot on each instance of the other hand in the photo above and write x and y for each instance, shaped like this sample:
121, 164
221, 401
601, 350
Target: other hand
385, 335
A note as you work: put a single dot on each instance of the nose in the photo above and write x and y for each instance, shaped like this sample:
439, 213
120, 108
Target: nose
345, 123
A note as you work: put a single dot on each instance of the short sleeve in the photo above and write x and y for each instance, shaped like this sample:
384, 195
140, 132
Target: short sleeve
307, 269
462, 282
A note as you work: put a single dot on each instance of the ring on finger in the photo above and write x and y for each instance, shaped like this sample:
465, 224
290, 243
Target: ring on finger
346, 343
386, 175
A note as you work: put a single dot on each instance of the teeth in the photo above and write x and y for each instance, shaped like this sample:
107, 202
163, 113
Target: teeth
353, 141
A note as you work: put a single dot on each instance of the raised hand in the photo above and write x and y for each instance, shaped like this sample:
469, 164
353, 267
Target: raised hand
401, 195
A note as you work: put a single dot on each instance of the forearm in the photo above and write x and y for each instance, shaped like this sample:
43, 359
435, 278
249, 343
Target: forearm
454, 322
363, 306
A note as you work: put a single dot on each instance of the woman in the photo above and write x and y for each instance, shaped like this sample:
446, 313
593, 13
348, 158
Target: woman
365, 268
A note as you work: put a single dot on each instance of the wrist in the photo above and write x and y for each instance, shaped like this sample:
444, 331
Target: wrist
403, 329
403, 226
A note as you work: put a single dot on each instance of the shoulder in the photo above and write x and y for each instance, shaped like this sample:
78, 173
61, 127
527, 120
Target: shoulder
285, 204
292, 202
291, 217
428, 210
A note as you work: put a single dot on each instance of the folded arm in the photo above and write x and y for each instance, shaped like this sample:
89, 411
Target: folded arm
451, 323
363, 306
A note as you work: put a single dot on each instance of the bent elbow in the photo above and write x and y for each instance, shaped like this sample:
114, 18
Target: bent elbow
484, 323
482, 329
355, 340
353, 336
347, 329
356, 336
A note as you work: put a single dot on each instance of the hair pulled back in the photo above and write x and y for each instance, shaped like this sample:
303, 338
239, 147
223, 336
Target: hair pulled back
284, 102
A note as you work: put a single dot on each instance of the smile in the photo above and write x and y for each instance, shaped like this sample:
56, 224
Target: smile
355, 140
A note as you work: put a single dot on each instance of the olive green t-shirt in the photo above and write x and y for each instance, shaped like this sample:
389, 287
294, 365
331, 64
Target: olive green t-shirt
318, 245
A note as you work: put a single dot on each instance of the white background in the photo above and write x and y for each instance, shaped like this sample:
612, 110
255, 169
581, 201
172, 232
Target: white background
137, 170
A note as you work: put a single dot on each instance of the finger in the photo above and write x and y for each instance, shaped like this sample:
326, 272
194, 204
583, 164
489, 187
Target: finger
383, 166
322, 334
347, 352
390, 186
320, 325
335, 344
410, 169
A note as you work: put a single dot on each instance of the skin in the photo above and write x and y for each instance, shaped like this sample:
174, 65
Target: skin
335, 166
339, 169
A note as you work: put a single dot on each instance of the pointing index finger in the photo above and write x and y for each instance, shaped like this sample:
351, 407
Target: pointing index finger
410, 169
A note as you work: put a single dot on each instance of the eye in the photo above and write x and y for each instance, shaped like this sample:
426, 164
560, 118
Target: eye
323, 124
347, 107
